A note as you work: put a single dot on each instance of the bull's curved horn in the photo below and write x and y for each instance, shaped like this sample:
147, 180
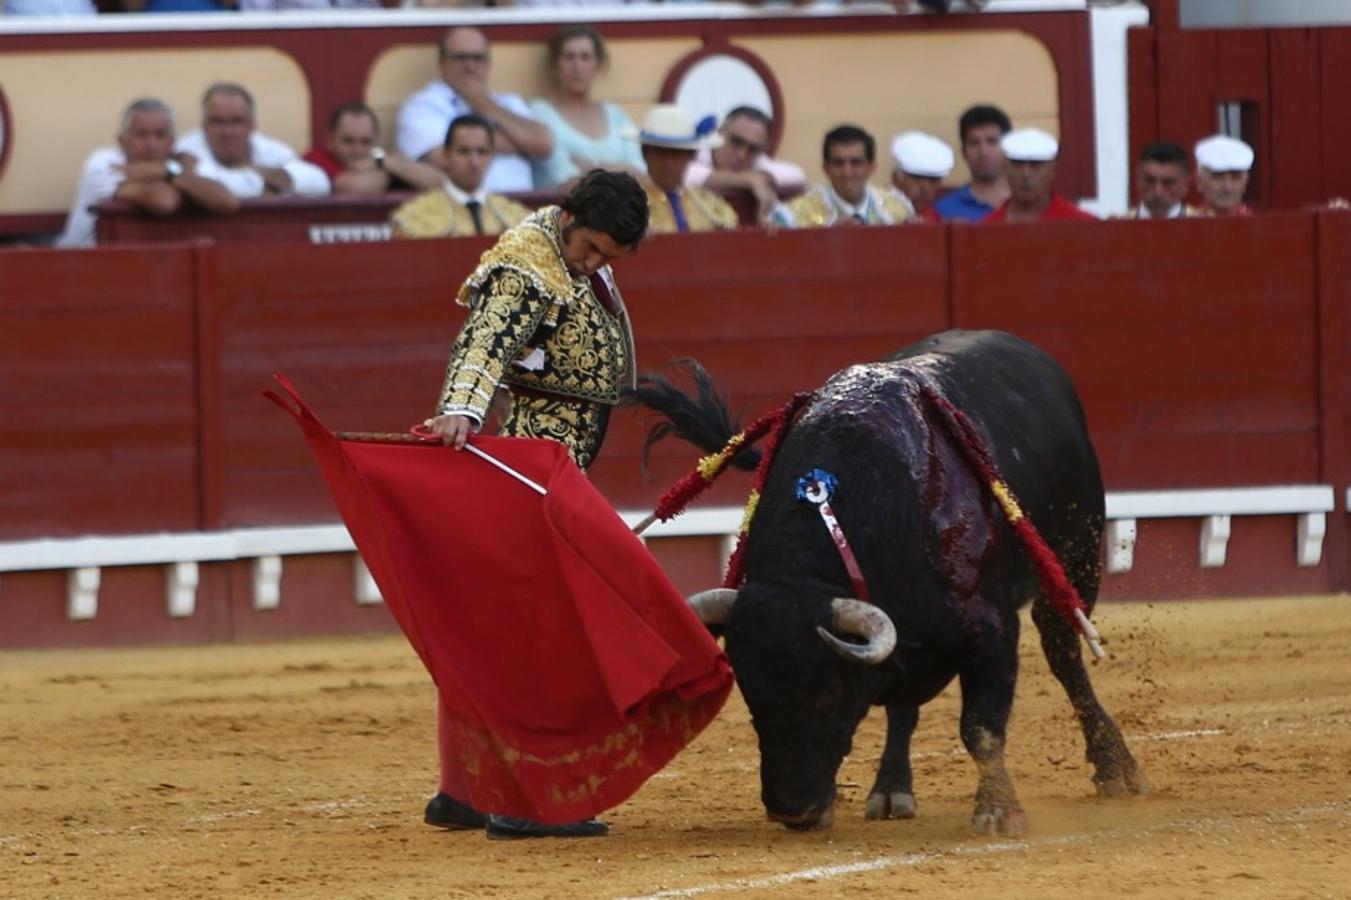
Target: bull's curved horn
864, 620
713, 606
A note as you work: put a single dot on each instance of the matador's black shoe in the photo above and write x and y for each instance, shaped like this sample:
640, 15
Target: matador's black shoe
506, 828
444, 811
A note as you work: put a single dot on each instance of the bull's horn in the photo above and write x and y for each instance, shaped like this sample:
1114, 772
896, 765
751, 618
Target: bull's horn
864, 620
713, 606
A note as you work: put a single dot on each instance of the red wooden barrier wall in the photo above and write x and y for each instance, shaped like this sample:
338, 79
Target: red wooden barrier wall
1208, 354
98, 407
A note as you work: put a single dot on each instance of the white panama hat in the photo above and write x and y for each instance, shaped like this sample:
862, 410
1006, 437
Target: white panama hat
1221, 153
922, 155
1029, 145
667, 125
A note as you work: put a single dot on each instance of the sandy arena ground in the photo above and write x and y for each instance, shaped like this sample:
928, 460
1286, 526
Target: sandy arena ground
301, 769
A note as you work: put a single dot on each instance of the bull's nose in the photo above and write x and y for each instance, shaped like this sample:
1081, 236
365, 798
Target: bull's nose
812, 819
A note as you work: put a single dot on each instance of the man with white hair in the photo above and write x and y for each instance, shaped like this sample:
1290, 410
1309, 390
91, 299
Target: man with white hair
1222, 168
142, 171
1029, 161
670, 137
230, 149
922, 162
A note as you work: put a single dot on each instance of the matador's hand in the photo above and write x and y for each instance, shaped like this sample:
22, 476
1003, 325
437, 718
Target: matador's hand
453, 430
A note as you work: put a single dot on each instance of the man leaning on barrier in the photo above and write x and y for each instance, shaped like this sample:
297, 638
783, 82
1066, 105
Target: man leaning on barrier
142, 170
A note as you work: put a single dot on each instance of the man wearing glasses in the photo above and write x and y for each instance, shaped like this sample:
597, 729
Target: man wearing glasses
743, 163
463, 89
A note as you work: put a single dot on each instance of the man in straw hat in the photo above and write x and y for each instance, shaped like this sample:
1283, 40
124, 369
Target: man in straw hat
922, 162
670, 137
1222, 168
1029, 160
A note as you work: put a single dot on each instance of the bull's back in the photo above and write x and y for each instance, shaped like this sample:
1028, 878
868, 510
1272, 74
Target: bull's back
1026, 406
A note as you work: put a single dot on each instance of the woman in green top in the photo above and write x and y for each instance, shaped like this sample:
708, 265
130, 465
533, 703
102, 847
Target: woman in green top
587, 133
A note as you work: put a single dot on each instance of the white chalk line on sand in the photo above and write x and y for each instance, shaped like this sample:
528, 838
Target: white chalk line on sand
910, 860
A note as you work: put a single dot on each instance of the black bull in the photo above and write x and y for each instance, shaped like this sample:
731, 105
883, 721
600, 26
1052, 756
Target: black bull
938, 557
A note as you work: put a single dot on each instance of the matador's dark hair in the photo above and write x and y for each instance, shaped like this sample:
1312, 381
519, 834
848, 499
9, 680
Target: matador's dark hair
612, 202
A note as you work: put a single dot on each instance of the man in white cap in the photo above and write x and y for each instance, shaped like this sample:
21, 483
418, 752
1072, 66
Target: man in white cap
849, 159
922, 162
670, 137
1222, 167
1029, 160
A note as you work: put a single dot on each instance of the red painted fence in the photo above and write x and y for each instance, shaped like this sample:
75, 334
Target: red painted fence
1208, 353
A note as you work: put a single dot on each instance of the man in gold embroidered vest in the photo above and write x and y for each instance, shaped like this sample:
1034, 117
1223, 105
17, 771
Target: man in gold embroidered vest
670, 137
461, 206
849, 159
1161, 181
546, 322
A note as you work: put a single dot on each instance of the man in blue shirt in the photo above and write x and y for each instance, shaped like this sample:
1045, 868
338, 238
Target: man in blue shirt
982, 128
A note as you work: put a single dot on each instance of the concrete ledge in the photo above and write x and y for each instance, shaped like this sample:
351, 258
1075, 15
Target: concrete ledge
82, 558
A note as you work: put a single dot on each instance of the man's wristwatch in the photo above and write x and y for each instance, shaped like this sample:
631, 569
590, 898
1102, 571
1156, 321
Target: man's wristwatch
172, 169
378, 154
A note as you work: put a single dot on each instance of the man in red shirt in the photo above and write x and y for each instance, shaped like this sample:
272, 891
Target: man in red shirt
1029, 155
356, 164
922, 162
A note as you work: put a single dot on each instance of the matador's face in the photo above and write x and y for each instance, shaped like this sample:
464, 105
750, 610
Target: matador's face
587, 250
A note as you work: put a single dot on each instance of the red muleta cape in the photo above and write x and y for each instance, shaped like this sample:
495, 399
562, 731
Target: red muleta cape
568, 663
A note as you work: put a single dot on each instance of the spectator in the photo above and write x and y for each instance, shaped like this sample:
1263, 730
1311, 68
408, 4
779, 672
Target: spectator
849, 157
547, 324
1030, 155
355, 163
141, 171
179, 6
230, 150
743, 162
280, 5
47, 8
981, 129
587, 133
1161, 180
1222, 167
465, 62
669, 140
461, 205
922, 162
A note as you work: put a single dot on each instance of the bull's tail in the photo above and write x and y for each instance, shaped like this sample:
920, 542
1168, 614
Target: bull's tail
703, 419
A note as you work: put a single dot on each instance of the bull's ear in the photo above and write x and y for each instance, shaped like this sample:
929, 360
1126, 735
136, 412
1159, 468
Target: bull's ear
713, 606
860, 619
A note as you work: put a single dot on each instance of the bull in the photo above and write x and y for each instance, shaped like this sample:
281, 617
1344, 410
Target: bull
944, 571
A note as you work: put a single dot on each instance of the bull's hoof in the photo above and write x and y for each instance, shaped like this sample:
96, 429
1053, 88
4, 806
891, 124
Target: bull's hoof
1001, 822
1131, 783
890, 806
811, 821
